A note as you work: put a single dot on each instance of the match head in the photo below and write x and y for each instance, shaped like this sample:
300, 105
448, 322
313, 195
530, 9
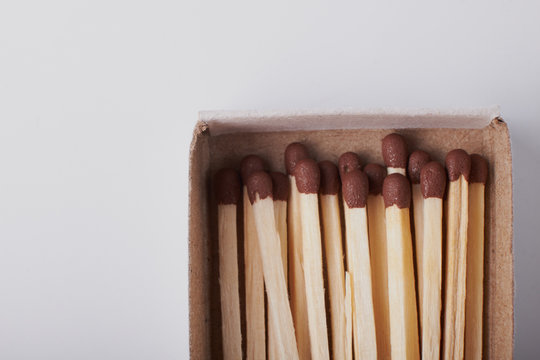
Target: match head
355, 188
308, 176
281, 186
293, 154
227, 186
458, 162
417, 160
394, 151
376, 174
348, 161
249, 165
433, 180
260, 183
329, 178
397, 191
479, 169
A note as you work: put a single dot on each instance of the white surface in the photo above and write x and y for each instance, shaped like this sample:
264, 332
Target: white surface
97, 102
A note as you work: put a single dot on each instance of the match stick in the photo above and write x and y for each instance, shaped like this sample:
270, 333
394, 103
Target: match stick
458, 165
307, 175
379, 265
394, 151
228, 187
355, 191
293, 154
475, 259
401, 290
331, 222
280, 183
260, 196
348, 161
348, 318
255, 309
417, 160
433, 184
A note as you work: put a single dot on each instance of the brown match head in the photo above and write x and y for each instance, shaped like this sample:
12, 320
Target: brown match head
355, 188
417, 160
396, 191
260, 183
249, 165
376, 174
394, 151
281, 185
293, 154
308, 176
433, 180
329, 178
227, 186
348, 161
479, 169
458, 162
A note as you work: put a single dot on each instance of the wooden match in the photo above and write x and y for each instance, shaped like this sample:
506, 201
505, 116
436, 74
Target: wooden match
475, 258
260, 196
255, 308
379, 265
348, 161
307, 175
458, 165
331, 223
348, 318
433, 184
401, 289
227, 184
355, 192
293, 154
394, 151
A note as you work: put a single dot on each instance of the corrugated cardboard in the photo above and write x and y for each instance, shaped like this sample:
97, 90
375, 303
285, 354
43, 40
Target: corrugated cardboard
222, 139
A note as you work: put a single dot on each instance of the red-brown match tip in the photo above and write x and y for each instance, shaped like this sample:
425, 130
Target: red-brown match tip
227, 186
308, 176
260, 183
433, 180
355, 188
348, 161
293, 154
417, 160
396, 191
281, 185
458, 163
394, 151
479, 169
329, 178
376, 174
249, 165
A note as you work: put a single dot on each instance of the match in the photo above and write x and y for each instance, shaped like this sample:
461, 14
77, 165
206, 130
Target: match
348, 161
355, 192
394, 152
348, 318
227, 184
401, 289
458, 165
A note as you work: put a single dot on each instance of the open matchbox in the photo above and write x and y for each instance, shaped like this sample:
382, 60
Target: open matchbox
222, 139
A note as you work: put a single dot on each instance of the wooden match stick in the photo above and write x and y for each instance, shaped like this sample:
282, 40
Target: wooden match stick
348, 318
255, 309
417, 160
433, 184
355, 191
394, 151
227, 183
307, 175
401, 289
475, 259
379, 265
331, 222
260, 196
458, 165
293, 154
348, 161
280, 183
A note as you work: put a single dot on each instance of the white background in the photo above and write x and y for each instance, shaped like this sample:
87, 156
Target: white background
97, 104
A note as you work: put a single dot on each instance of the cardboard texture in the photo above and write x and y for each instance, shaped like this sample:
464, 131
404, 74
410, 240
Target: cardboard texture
236, 135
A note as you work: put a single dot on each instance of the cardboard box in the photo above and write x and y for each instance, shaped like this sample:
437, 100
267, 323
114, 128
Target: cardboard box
222, 139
